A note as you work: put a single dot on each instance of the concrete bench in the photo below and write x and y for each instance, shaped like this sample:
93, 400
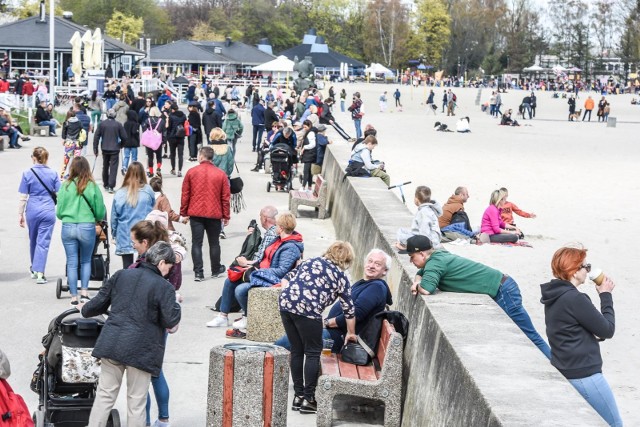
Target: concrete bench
317, 199
381, 380
263, 322
34, 129
4, 140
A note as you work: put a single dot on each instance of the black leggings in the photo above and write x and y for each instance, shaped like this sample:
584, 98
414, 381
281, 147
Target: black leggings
179, 144
127, 260
341, 131
158, 155
305, 336
307, 177
503, 238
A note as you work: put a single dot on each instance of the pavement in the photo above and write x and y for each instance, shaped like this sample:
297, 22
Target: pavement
543, 153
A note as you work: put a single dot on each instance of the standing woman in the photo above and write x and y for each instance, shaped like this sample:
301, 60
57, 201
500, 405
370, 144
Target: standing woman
575, 327
154, 121
308, 154
232, 127
37, 193
343, 99
110, 97
311, 288
96, 106
175, 135
195, 138
80, 204
131, 204
132, 129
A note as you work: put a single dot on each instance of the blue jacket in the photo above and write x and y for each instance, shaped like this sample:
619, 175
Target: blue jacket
283, 261
124, 216
220, 108
321, 147
257, 115
84, 120
369, 298
162, 99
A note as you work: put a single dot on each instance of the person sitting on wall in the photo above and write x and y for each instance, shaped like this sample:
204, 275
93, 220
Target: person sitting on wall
361, 163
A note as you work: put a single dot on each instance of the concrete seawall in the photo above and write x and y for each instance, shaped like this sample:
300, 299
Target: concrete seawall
466, 362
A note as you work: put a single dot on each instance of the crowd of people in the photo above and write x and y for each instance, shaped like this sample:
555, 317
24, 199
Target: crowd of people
141, 223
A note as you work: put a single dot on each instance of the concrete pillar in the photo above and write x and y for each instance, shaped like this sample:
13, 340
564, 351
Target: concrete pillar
248, 386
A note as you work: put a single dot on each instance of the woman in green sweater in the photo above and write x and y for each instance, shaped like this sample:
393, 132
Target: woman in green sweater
80, 204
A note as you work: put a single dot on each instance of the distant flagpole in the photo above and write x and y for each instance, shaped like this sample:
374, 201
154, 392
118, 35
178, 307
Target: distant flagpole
52, 74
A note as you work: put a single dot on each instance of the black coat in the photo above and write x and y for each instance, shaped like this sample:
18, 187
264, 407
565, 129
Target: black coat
132, 128
211, 119
142, 305
110, 135
573, 323
270, 116
175, 118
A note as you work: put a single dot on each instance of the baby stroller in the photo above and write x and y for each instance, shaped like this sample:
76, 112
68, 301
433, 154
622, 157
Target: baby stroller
99, 263
281, 165
67, 375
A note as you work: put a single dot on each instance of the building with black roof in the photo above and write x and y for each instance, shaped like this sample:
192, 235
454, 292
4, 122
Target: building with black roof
325, 60
209, 57
27, 44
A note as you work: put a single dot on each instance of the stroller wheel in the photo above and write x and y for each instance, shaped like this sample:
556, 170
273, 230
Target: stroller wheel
38, 418
114, 419
58, 288
268, 187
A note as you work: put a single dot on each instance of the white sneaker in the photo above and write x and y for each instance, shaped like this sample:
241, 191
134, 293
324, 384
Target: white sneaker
218, 322
159, 423
240, 324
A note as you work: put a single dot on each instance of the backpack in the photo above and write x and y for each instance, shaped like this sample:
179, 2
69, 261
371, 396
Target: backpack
180, 131
455, 98
151, 138
188, 130
13, 410
462, 217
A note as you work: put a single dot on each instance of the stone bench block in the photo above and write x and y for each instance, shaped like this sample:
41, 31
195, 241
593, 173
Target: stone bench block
263, 322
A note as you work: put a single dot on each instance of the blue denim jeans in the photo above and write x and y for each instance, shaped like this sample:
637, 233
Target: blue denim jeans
510, 300
129, 153
50, 123
357, 123
597, 392
234, 291
161, 391
283, 341
78, 240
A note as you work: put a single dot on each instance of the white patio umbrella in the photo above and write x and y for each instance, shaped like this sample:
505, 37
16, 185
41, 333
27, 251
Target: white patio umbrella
533, 69
87, 45
76, 48
96, 55
280, 64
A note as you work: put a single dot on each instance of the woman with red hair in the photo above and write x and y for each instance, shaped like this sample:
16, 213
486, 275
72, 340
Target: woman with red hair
575, 327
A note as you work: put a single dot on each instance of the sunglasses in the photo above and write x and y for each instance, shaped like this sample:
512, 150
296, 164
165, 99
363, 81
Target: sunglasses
586, 267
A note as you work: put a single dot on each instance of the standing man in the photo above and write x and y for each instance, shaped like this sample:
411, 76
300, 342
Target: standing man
109, 135
270, 116
257, 120
357, 113
572, 107
439, 269
27, 93
206, 203
396, 96
588, 107
451, 103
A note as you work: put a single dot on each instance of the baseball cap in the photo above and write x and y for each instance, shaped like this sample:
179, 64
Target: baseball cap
418, 244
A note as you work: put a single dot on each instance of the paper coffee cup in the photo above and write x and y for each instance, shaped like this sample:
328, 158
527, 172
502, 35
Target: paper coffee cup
597, 275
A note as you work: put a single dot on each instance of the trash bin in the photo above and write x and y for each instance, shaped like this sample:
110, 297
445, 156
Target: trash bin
248, 386
611, 122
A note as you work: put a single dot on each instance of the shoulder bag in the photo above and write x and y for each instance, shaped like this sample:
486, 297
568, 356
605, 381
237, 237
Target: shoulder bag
151, 138
51, 193
100, 224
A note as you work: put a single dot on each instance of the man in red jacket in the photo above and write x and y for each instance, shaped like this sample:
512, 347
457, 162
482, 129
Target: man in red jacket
27, 92
206, 203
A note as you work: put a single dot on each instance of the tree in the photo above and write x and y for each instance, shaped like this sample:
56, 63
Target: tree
202, 31
128, 27
27, 8
523, 35
629, 48
432, 31
386, 31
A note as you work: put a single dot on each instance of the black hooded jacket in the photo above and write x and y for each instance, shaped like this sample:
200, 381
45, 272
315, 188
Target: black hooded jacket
574, 325
211, 119
132, 128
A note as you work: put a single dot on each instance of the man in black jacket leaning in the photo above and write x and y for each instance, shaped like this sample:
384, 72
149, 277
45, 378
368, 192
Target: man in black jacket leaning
111, 133
142, 306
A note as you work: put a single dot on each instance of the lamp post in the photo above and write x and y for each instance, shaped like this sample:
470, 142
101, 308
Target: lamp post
52, 74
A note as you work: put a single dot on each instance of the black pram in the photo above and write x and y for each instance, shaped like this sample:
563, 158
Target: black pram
282, 156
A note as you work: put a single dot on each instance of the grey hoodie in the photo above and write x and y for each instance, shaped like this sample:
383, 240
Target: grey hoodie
362, 154
5, 368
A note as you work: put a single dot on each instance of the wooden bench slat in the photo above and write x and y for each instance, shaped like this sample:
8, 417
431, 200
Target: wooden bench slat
385, 337
367, 373
330, 365
347, 370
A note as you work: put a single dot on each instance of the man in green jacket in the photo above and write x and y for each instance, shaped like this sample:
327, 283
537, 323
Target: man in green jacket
439, 269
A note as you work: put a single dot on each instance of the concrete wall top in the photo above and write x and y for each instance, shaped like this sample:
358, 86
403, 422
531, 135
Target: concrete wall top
465, 362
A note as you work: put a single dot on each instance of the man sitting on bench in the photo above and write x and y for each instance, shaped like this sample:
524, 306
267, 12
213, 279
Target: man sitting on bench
370, 295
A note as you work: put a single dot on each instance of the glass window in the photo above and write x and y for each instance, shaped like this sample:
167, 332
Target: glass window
17, 55
34, 56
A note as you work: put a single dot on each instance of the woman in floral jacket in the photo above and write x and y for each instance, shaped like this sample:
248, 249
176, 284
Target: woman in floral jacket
310, 289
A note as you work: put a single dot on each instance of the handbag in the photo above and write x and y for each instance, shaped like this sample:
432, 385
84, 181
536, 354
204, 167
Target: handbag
236, 185
151, 138
51, 193
355, 354
79, 366
101, 225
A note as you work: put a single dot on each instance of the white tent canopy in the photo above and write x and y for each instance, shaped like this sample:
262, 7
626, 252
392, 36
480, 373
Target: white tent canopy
377, 69
280, 64
533, 69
